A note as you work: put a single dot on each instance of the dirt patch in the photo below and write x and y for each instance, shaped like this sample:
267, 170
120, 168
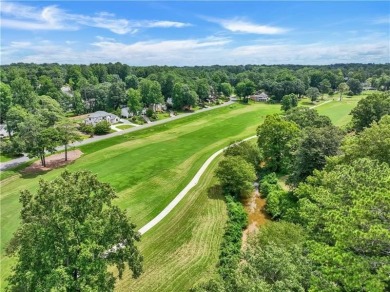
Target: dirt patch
54, 161
256, 215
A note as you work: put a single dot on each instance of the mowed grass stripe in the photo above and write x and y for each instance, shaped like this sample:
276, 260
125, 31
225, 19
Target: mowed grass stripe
147, 172
183, 248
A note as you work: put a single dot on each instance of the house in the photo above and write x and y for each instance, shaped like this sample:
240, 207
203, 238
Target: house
259, 97
3, 131
125, 113
157, 107
99, 116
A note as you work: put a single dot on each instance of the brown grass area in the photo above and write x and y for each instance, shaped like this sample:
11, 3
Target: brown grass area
54, 161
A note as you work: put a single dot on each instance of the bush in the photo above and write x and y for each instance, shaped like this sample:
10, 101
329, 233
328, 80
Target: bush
231, 241
268, 183
102, 128
149, 113
87, 129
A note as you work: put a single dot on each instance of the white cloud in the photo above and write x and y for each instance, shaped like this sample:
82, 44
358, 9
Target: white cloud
166, 24
51, 17
239, 25
382, 20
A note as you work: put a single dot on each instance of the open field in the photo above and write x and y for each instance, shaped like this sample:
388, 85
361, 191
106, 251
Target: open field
147, 168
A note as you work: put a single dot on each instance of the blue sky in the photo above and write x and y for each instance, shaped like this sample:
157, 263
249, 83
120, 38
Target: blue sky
195, 33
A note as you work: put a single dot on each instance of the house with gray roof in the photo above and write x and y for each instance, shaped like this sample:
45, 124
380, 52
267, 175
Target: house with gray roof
259, 97
99, 116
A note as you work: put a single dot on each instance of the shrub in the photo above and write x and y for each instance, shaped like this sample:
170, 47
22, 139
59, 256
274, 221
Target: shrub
102, 128
268, 183
149, 113
231, 241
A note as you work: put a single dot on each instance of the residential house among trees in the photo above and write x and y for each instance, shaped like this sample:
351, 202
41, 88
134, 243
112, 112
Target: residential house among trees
259, 97
99, 116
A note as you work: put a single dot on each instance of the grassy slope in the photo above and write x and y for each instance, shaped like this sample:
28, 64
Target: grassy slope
147, 168
196, 224
183, 248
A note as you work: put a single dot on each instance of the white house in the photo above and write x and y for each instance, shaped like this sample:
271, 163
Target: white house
125, 113
99, 116
3, 131
259, 97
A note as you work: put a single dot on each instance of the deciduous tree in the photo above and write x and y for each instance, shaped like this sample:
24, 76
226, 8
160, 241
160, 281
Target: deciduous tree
67, 234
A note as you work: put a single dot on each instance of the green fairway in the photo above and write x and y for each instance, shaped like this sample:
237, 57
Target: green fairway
147, 168
183, 248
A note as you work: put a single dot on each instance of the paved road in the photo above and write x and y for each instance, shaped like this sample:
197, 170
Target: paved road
17, 161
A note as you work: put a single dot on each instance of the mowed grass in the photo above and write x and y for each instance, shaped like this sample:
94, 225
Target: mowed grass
124, 127
183, 249
147, 168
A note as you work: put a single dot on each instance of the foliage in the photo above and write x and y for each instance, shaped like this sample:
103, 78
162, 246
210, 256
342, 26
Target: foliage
134, 100
355, 86
268, 183
315, 145
247, 150
370, 109
102, 128
183, 96
244, 89
150, 92
231, 241
226, 89
345, 211
343, 87
67, 229
274, 260
313, 93
276, 137
289, 101
236, 176
67, 133
307, 117
5, 100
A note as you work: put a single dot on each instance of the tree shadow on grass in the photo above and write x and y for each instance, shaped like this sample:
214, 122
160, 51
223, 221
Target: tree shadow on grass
215, 192
34, 171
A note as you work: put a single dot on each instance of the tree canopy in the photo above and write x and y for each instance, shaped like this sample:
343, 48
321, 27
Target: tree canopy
67, 234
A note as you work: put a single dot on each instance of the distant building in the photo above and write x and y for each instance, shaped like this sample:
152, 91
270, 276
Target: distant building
125, 113
259, 97
99, 116
67, 90
3, 131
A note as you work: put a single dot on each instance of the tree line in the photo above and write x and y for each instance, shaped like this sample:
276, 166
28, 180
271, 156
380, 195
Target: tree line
331, 228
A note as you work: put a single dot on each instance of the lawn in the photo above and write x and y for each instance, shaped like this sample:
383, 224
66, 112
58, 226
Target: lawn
124, 127
147, 168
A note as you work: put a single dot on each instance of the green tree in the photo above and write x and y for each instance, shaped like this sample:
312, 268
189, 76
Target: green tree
289, 101
236, 176
134, 100
67, 133
372, 142
116, 95
15, 115
5, 100
313, 148
202, 89
275, 260
183, 96
131, 81
370, 109
70, 233
36, 138
226, 89
313, 93
355, 86
244, 89
276, 137
247, 150
150, 92
23, 93
325, 87
306, 117
345, 211
343, 87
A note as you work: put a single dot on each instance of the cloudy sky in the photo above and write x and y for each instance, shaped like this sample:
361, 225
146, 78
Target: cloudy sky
195, 33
